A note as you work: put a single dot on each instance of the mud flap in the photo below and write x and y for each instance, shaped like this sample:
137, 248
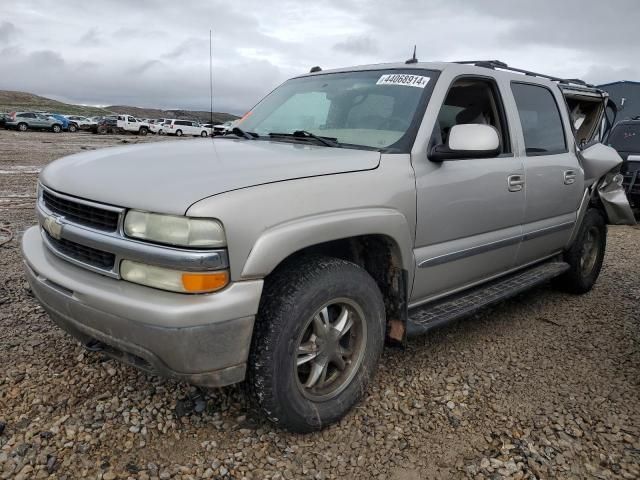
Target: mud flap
614, 200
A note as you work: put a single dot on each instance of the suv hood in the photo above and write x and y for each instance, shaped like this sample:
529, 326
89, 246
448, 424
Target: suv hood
167, 177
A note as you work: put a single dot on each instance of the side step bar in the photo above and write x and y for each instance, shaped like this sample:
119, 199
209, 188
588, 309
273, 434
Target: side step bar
426, 317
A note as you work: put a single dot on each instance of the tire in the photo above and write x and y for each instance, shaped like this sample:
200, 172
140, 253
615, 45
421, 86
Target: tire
73, 128
143, 131
301, 299
23, 127
56, 128
204, 134
178, 133
585, 256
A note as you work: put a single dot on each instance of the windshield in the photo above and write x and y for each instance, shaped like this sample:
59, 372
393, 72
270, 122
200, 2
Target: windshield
378, 109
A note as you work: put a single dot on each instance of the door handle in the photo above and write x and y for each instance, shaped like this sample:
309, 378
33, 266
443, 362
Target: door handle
569, 177
515, 182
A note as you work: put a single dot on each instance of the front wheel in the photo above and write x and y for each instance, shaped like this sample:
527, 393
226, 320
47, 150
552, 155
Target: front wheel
23, 127
203, 134
178, 133
586, 255
56, 129
143, 131
316, 343
73, 128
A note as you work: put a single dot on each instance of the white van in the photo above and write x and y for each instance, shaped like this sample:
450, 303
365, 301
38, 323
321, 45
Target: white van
184, 127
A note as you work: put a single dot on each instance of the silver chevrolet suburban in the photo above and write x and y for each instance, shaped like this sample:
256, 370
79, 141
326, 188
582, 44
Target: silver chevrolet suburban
348, 208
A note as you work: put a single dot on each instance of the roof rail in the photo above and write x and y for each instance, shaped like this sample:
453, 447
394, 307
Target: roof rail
497, 64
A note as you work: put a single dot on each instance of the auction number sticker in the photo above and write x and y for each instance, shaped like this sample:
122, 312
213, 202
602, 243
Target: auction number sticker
403, 79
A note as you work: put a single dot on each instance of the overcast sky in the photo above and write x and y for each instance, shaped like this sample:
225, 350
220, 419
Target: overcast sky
156, 53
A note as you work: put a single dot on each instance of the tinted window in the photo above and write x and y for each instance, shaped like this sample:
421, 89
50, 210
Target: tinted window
472, 101
626, 138
131, 119
540, 119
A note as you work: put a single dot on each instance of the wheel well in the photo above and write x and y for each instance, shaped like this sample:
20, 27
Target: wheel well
380, 256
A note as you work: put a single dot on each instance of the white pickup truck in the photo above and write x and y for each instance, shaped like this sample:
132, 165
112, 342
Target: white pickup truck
133, 125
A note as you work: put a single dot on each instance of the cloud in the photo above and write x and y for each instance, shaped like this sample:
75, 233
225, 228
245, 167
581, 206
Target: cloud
7, 32
357, 45
156, 54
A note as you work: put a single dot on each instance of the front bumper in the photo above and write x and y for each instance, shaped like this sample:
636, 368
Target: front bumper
201, 339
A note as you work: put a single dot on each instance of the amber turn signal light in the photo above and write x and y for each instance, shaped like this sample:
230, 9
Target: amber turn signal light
204, 282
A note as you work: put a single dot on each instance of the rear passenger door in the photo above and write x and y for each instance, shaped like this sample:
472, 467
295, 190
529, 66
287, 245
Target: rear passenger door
554, 181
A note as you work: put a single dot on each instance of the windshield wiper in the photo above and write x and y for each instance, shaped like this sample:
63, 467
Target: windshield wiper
326, 141
238, 132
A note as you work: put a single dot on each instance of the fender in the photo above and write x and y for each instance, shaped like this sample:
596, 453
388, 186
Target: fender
280, 241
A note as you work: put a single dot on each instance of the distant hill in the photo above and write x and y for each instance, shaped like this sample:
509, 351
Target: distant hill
11, 101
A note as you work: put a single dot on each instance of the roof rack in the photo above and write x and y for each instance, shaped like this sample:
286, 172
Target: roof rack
497, 64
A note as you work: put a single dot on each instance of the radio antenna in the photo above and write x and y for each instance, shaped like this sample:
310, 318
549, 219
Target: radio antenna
211, 77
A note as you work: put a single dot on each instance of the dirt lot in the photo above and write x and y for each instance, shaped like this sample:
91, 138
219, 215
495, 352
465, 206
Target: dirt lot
546, 385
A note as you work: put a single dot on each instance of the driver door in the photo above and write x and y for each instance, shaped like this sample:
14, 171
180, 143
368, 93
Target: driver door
470, 210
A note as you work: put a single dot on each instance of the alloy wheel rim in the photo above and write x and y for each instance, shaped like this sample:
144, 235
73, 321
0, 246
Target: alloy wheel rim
330, 349
590, 251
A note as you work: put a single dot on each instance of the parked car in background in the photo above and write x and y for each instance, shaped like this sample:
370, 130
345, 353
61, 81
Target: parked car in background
225, 127
64, 121
131, 124
24, 121
155, 126
104, 125
3, 119
625, 138
210, 128
184, 127
82, 123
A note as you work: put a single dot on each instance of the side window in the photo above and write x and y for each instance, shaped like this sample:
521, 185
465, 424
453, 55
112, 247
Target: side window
540, 119
131, 119
28, 115
120, 118
470, 101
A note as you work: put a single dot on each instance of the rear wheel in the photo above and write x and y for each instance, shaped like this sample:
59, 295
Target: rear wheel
23, 127
586, 255
56, 128
316, 343
178, 133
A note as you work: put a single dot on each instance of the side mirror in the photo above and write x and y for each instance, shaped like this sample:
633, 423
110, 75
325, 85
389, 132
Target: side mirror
472, 140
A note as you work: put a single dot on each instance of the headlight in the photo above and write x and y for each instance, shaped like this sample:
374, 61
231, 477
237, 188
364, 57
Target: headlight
173, 280
174, 230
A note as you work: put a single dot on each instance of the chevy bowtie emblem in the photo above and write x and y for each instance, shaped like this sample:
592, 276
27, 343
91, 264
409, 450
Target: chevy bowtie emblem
53, 226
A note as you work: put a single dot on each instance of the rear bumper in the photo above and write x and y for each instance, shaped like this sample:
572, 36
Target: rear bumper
201, 339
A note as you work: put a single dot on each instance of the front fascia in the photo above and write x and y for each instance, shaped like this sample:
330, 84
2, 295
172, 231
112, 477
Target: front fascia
267, 223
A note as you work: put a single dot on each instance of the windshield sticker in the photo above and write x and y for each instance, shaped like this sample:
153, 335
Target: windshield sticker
403, 79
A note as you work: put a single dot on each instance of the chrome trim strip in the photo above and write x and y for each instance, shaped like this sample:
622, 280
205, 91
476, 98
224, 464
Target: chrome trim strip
547, 230
469, 252
58, 253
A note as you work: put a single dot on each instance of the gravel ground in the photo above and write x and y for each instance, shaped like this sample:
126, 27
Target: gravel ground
546, 385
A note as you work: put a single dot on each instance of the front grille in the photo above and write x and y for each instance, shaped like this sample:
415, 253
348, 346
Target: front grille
81, 213
82, 253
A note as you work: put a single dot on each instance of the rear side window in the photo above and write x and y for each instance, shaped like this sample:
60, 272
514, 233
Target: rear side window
540, 118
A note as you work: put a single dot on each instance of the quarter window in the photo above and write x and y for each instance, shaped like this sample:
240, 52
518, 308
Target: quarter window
540, 119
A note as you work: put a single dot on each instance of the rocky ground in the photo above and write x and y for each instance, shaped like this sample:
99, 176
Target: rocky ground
546, 385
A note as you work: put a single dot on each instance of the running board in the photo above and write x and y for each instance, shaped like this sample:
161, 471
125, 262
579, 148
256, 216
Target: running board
422, 319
